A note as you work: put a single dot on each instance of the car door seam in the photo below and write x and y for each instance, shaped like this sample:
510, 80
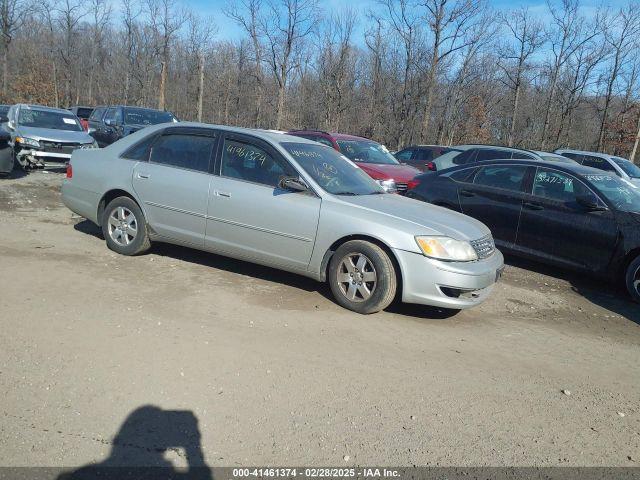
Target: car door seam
174, 209
260, 229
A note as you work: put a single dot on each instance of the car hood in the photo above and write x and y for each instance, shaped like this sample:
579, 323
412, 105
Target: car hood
381, 171
439, 220
53, 135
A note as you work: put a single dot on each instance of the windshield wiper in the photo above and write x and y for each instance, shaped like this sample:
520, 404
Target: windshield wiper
345, 193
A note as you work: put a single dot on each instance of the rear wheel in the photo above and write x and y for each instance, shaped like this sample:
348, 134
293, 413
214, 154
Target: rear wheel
362, 277
633, 279
124, 227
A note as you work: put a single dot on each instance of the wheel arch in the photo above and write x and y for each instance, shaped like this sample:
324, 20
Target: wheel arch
324, 267
110, 195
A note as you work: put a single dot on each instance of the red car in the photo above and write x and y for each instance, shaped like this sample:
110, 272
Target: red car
372, 157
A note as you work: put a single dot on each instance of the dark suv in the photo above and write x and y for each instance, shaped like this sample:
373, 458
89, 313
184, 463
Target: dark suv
108, 124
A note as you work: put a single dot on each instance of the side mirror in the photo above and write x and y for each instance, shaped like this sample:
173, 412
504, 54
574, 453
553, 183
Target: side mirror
589, 202
293, 183
11, 125
109, 123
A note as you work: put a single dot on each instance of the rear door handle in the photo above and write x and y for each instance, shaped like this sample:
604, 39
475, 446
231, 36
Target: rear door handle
222, 194
143, 175
533, 206
467, 193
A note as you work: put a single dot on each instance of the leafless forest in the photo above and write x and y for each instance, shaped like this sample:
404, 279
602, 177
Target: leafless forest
400, 72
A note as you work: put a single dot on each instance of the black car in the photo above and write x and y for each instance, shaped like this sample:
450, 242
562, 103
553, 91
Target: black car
108, 124
562, 214
422, 156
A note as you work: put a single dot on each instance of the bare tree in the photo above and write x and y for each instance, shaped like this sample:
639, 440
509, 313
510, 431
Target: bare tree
450, 24
248, 14
166, 21
286, 26
526, 38
12, 15
620, 34
201, 32
100, 16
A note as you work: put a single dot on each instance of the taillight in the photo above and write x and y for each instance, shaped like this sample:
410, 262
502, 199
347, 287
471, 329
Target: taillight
413, 183
69, 171
431, 166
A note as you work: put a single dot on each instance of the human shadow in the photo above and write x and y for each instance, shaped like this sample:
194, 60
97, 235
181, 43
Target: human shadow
608, 295
139, 448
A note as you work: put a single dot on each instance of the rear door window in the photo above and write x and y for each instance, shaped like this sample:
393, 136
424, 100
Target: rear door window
522, 156
490, 154
597, 162
507, 177
405, 155
191, 152
465, 157
423, 155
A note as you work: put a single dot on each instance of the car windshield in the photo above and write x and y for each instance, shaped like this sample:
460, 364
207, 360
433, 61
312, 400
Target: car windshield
30, 117
366, 151
624, 195
627, 167
142, 116
335, 173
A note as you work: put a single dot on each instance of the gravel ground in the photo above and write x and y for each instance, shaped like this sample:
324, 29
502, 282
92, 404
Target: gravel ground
180, 354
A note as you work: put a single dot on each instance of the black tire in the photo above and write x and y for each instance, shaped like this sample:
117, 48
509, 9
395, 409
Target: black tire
381, 292
139, 243
632, 279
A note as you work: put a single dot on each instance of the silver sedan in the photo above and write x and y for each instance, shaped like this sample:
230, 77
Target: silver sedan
284, 202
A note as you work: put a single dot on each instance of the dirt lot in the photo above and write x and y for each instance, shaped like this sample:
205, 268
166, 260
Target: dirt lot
276, 373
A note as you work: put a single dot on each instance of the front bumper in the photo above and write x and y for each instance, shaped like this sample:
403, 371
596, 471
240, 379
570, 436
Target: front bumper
60, 156
455, 285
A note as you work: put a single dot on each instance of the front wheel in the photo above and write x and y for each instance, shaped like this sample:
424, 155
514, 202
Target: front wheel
632, 279
362, 277
124, 227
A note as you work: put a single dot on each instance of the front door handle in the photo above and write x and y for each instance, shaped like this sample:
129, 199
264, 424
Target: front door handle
143, 175
533, 206
467, 193
222, 194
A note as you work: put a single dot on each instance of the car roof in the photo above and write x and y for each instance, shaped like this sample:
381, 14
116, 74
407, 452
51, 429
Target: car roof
429, 146
42, 107
492, 147
346, 136
268, 135
575, 168
583, 152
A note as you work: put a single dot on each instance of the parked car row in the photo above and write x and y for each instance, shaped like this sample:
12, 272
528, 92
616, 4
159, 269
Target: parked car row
33, 134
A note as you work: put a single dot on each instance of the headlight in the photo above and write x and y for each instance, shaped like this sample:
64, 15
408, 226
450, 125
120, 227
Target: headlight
388, 185
93, 144
445, 248
28, 142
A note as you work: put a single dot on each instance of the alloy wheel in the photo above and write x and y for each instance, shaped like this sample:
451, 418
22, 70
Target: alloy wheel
123, 226
356, 277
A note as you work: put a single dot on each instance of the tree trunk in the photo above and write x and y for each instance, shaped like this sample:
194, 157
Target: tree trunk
5, 69
427, 109
55, 85
163, 82
514, 113
200, 86
281, 106
635, 144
